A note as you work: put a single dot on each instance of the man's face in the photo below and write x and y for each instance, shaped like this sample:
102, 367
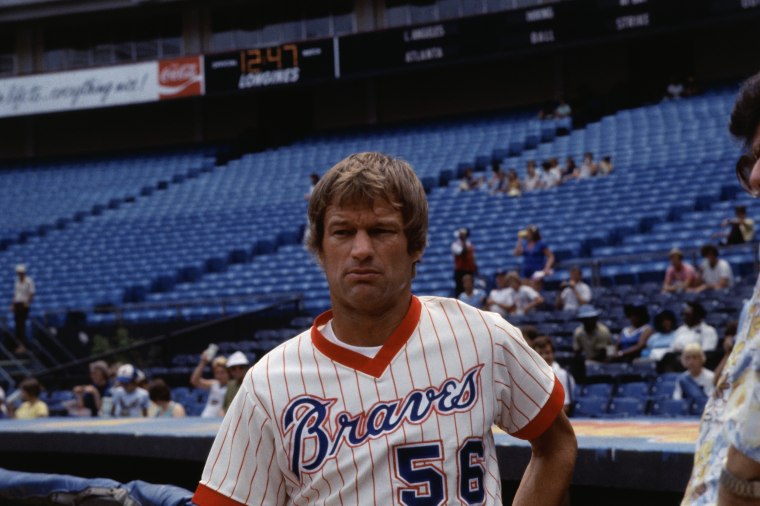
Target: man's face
365, 258
711, 258
575, 275
467, 283
501, 281
676, 261
547, 354
688, 316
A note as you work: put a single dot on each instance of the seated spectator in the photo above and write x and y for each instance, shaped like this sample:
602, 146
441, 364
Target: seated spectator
634, 337
714, 273
742, 228
549, 177
532, 178
679, 276
605, 167
128, 398
662, 338
162, 404
573, 293
563, 109
696, 383
313, 180
500, 299
471, 294
536, 254
569, 171
544, 346
694, 329
217, 386
514, 186
469, 181
498, 181
591, 338
32, 406
90, 396
237, 366
525, 297
588, 167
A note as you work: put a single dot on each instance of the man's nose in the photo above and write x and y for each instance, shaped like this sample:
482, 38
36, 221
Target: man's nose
361, 247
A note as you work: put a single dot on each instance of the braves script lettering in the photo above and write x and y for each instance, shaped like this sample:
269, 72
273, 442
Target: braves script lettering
305, 417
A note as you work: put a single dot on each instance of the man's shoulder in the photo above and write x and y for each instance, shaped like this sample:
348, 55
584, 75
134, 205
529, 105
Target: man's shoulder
274, 357
436, 305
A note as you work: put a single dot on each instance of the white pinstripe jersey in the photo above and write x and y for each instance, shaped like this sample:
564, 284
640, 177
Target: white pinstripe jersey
316, 423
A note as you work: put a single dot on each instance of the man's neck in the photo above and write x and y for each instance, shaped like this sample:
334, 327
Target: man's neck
360, 329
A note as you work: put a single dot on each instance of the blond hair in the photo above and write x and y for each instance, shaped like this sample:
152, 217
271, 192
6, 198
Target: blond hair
365, 178
693, 349
219, 361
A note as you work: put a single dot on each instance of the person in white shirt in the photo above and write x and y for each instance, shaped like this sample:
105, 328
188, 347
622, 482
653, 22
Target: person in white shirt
697, 383
715, 273
128, 398
544, 346
23, 294
532, 178
549, 177
500, 299
695, 330
526, 297
575, 293
217, 386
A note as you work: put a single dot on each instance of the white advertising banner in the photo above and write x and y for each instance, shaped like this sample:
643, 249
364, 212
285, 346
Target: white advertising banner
79, 89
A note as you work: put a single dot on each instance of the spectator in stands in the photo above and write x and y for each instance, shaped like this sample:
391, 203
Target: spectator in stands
742, 228
573, 293
500, 298
588, 166
471, 294
128, 398
634, 337
23, 294
90, 396
217, 387
32, 406
729, 338
314, 179
469, 182
727, 457
464, 257
569, 170
549, 177
696, 383
714, 273
544, 346
498, 181
162, 404
591, 338
563, 109
605, 167
679, 276
662, 338
536, 254
674, 89
694, 329
514, 186
525, 297
237, 366
532, 178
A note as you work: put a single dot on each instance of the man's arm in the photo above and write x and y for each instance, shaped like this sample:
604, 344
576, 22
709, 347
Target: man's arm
547, 477
743, 468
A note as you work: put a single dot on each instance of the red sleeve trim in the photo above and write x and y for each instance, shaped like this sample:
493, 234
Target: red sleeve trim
545, 418
205, 496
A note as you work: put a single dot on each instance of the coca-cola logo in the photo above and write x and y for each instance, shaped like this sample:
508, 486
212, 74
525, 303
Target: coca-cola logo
182, 77
178, 73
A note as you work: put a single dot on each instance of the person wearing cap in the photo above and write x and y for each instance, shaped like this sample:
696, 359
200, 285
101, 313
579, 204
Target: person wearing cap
680, 275
574, 293
237, 366
714, 273
742, 228
91, 396
537, 257
23, 294
591, 338
500, 298
464, 258
128, 398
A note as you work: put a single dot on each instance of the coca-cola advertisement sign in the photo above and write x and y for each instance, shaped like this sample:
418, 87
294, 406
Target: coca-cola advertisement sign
181, 77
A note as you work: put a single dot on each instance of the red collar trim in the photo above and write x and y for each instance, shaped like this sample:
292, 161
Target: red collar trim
373, 366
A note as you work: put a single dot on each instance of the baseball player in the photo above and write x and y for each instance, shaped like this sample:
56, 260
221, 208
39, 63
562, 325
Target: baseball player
389, 398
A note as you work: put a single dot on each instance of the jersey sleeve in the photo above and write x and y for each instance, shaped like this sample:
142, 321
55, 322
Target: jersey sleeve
241, 468
528, 394
743, 409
